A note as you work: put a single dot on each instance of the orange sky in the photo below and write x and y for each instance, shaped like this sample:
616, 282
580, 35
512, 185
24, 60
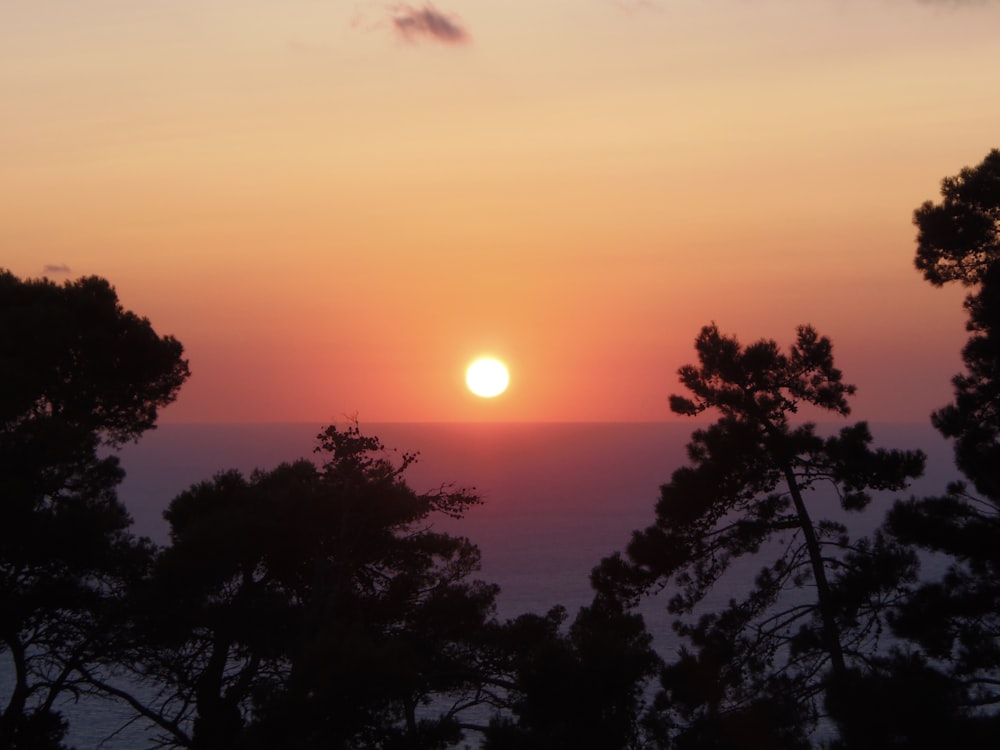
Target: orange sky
335, 217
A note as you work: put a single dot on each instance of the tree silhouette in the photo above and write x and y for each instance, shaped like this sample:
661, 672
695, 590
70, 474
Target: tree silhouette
959, 238
959, 241
311, 606
816, 605
577, 689
906, 702
956, 620
78, 372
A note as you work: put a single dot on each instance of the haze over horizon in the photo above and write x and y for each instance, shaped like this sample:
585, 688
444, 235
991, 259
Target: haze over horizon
336, 207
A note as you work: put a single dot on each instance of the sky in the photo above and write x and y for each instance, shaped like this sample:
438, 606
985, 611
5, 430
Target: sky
336, 206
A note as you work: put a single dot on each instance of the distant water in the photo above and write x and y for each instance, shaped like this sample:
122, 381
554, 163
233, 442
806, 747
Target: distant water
558, 497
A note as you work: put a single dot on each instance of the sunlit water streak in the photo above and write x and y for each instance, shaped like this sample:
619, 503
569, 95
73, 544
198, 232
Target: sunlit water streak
557, 498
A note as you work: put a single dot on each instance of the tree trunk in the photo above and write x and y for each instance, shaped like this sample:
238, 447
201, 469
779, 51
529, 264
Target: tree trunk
218, 723
831, 633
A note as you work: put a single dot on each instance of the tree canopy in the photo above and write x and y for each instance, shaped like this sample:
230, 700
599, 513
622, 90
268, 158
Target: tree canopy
77, 371
74, 354
816, 603
959, 238
955, 621
311, 606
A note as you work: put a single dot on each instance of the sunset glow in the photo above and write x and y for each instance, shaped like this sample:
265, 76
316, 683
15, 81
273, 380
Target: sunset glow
335, 207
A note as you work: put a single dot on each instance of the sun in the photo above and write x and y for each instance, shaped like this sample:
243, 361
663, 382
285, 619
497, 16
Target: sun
487, 377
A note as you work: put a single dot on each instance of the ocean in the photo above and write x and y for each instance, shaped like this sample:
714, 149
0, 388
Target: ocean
557, 498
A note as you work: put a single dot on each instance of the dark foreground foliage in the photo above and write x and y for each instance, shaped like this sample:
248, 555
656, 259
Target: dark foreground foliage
77, 372
955, 621
310, 606
756, 672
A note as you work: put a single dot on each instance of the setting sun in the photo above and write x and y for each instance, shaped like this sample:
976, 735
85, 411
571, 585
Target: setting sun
487, 377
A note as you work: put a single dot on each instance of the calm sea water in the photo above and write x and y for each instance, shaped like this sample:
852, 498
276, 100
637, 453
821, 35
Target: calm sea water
558, 497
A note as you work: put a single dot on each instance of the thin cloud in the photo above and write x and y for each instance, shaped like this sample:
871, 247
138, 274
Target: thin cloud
427, 22
56, 268
638, 6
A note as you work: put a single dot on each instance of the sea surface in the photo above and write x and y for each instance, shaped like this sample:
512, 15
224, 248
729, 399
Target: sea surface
557, 498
